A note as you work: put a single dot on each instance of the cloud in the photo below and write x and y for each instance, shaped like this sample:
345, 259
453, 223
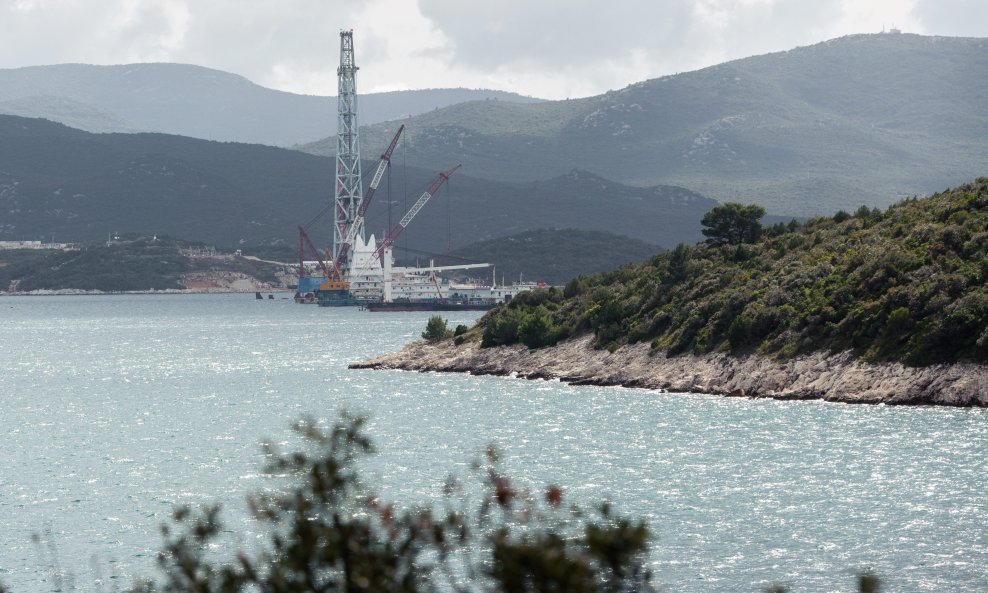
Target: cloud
554, 33
546, 48
250, 38
148, 32
966, 18
611, 44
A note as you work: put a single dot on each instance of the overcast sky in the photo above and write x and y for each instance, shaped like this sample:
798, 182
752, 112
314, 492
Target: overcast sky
545, 48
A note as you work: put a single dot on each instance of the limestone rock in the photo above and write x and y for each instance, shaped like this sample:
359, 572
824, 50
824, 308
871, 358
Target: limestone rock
833, 377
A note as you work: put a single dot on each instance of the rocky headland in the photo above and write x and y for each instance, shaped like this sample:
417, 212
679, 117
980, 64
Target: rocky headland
872, 307
831, 377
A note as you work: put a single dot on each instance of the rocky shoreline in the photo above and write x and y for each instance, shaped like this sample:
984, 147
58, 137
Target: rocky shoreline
831, 377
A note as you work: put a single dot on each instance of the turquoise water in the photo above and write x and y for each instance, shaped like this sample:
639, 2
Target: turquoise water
116, 408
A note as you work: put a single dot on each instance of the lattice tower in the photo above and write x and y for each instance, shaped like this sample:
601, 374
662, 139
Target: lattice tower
348, 183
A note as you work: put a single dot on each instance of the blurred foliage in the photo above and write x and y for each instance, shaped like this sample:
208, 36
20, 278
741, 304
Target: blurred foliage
907, 284
329, 533
322, 529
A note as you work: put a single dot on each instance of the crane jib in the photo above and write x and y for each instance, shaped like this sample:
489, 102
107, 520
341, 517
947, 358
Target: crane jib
379, 174
351, 232
396, 229
414, 210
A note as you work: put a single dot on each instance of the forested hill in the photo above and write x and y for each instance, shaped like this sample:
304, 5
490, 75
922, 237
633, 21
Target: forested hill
863, 119
907, 284
81, 186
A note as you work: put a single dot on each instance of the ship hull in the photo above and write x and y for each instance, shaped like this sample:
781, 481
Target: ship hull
434, 305
336, 298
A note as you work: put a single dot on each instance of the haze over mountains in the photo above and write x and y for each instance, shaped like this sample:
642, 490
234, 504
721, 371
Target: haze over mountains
865, 119
199, 102
82, 186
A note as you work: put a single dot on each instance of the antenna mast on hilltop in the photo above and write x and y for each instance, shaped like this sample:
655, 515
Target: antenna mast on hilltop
348, 183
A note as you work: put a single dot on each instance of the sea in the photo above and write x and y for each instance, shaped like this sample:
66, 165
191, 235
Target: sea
116, 409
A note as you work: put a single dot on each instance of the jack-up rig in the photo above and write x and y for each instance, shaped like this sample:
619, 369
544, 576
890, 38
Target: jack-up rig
359, 272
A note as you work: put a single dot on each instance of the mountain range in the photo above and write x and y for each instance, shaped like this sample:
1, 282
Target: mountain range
860, 120
81, 186
200, 102
863, 119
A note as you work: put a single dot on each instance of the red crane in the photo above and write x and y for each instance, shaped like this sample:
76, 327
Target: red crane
398, 228
358, 221
303, 241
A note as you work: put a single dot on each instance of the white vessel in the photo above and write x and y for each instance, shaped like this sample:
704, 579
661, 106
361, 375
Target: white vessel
374, 280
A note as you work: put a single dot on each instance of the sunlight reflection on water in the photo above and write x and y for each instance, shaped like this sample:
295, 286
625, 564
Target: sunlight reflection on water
115, 409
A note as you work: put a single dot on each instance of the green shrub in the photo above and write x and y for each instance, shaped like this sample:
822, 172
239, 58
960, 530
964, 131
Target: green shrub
535, 329
905, 285
436, 329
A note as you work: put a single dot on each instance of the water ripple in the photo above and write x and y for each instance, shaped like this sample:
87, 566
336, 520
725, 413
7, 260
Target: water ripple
116, 409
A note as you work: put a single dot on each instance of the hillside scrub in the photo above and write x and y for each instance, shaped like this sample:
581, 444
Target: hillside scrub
131, 263
142, 264
907, 284
814, 129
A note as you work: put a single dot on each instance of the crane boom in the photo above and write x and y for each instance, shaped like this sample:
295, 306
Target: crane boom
358, 221
381, 167
304, 238
398, 228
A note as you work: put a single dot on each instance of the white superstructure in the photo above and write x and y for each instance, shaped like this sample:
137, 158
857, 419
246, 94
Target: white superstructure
367, 279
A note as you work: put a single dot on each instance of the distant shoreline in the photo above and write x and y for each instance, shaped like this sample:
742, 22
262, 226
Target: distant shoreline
71, 292
818, 376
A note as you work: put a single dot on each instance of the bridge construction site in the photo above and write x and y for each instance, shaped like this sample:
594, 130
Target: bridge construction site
359, 271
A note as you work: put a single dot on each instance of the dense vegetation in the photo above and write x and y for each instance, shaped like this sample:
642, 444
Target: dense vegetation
130, 263
733, 224
906, 284
803, 132
324, 530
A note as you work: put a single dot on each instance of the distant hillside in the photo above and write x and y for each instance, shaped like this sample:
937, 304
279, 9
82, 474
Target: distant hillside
200, 102
865, 119
136, 263
553, 256
905, 285
81, 186
476, 210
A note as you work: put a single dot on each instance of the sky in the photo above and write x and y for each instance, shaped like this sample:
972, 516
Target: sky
552, 49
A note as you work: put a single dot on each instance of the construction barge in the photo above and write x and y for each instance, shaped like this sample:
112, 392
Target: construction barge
431, 305
361, 272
